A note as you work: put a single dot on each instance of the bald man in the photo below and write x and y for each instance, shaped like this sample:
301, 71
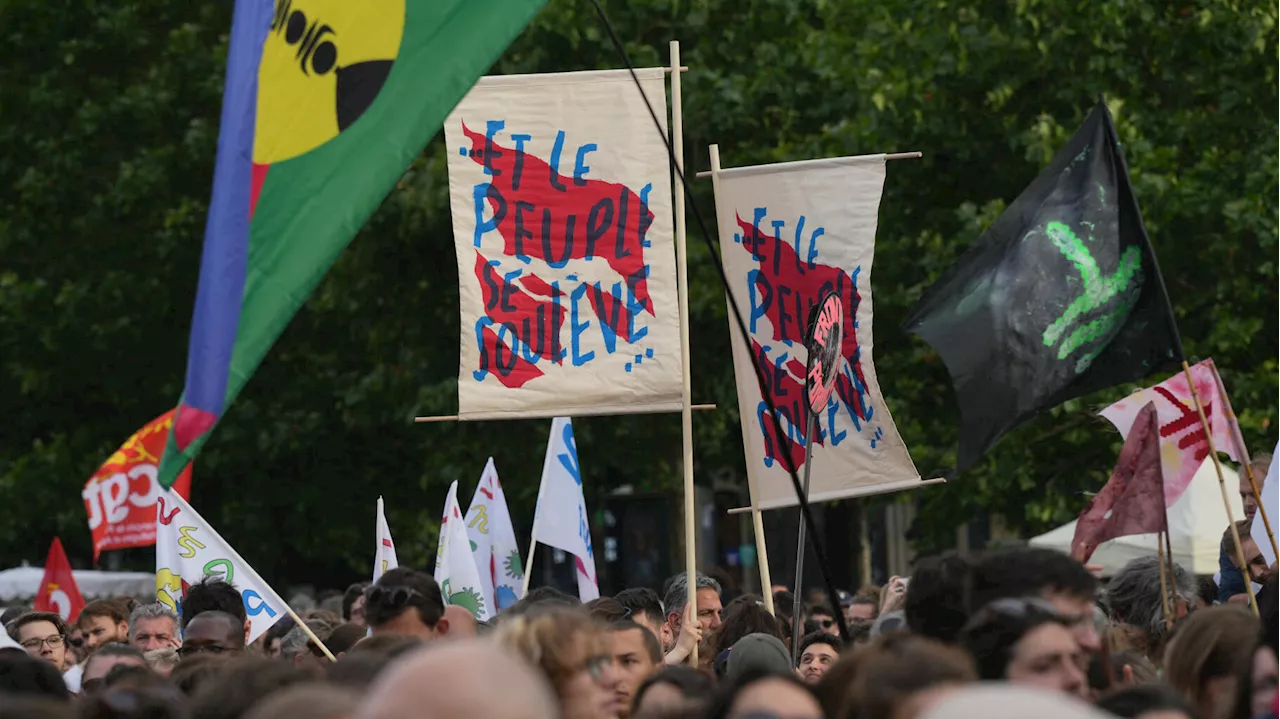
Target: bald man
462, 623
446, 682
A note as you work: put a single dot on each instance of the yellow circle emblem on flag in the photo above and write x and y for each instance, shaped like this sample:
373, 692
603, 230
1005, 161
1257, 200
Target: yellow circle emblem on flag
323, 64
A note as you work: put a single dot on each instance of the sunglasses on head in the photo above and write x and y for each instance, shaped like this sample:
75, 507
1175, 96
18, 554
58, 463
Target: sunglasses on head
1021, 606
393, 597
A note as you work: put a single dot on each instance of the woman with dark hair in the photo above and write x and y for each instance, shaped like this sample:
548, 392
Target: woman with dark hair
673, 688
740, 619
760, 694
1026, 641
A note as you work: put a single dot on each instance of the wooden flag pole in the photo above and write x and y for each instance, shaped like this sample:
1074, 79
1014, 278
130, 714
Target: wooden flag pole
1222, 485
455, 418
757, 520
1164, 581
1238, 438
682, 279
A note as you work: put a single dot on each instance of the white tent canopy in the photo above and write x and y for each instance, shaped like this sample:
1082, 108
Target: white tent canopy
24, 583
1196, 523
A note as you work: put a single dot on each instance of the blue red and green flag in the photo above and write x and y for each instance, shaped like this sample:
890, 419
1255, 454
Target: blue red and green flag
326, 103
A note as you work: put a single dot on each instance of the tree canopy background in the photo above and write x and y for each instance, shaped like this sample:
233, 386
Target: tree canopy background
108, 127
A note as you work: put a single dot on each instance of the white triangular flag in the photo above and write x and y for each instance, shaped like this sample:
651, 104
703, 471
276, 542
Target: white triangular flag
493, 543
384, 557
188, 549
456, 570
561, 517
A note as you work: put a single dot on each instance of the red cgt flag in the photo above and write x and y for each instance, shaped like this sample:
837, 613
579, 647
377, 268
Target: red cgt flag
120, 497
1132, 502
58, 591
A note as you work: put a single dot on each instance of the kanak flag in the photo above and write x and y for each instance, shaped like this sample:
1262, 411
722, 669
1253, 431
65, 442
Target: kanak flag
58, 591
120, 498
325, 104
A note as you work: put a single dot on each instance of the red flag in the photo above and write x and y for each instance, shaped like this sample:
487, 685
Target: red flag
1132, 502
121, 496
58, 591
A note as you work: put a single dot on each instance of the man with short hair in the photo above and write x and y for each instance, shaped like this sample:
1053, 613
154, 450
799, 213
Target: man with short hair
154, 626
636, 655
213, 632
820, 614
645, 609
43, 635
861, 609
102, 621
353, 603
818, 651
106, 657
406, 602
213, 595
1230, 579
706, 611
1045, 573
1255, 568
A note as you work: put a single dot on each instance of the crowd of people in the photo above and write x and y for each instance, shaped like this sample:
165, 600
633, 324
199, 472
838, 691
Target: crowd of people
1020, 632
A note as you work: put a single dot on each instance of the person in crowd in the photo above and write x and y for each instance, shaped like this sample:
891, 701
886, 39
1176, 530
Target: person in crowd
298, 648
936, 605
213, 632
645, 609
1133, 598
758, 652
708, 603
1230, 578
193, 673
897, 676
353, 604
443, 683
214, 595
269, 642
104, 659
44, 636
1045, 573
1208, 654
861, 609
1147, 701
408, 603
636, 655
672, 689
573, 652
242, 683
1255, 563
23, 675
344, 637
1258, 695
784, 606
818, 651
605, 610
761, 693
1027, 641
744, 616
539, 599
308, 701
11, 613
102, 621
162, 661
821, 615
154, 626
1005, 701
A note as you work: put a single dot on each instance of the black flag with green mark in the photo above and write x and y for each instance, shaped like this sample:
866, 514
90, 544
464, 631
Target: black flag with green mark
1060, 297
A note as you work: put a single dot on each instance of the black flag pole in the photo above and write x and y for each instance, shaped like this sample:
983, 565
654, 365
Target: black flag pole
806, 512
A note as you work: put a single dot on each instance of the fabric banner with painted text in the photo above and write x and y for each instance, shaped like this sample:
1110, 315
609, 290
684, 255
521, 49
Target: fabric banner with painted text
561, 195
384, 556
789, 233
120, 498
188, 549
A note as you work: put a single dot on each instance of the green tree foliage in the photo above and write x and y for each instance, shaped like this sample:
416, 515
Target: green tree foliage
108, 126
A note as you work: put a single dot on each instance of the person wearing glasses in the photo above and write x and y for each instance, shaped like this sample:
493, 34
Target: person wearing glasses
43, 635
574, 652
212, 632
1027, 641
408, 603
